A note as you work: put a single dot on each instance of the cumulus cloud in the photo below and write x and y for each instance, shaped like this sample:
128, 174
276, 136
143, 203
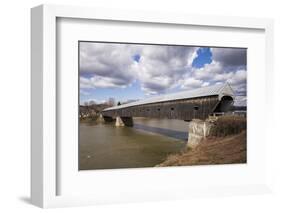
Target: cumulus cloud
159, 68
240, 100
208, 71
230, 57
190, 83
238, 77
102, 82
228, 65
83, 92
107, 64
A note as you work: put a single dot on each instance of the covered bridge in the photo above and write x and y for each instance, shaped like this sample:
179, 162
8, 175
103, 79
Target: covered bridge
185, 105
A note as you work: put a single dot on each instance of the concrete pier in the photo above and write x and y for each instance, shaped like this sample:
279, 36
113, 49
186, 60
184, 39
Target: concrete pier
119, 122
197, 131
128, 121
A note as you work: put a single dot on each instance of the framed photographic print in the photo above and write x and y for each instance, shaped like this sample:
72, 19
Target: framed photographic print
130, 106
184, 93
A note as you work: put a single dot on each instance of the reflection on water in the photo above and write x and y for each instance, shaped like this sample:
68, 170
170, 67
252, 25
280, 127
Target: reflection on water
166, 132
104, 146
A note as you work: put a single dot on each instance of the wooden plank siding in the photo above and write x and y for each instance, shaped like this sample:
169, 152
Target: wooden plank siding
186, 109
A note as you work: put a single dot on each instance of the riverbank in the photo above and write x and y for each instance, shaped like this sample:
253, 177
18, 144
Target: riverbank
213, 150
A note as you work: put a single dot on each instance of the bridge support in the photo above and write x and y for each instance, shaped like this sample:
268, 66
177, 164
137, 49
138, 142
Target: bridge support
127, 121
197, 131
119, 122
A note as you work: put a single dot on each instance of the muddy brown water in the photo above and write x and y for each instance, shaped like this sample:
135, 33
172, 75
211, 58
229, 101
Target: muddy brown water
148, 143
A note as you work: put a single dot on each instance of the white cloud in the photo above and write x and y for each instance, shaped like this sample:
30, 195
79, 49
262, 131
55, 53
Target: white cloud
109, 64
190, 83
112, 65
205, 84
83, 92
101, 82
240, 101
221, 70
159, 68
208, 71
238, 77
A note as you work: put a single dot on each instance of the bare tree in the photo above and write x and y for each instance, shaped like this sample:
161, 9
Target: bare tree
91, 103
111, 101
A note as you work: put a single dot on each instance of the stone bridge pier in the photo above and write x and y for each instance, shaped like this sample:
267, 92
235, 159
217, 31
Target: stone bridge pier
124, 121
120, 121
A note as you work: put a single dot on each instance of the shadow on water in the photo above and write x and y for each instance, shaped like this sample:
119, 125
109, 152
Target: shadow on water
162, 131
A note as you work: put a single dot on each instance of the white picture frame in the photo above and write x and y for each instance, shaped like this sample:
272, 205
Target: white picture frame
44, 154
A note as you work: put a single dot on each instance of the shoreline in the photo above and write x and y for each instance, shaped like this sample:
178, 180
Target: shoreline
231, 149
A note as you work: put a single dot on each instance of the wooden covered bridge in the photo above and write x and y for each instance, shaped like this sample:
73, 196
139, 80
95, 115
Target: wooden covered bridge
184, 105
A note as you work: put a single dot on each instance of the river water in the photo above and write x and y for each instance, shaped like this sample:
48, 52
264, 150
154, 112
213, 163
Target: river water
148, 143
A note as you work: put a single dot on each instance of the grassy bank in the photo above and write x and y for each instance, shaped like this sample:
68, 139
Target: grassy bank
228, 125
226, 145
213, 150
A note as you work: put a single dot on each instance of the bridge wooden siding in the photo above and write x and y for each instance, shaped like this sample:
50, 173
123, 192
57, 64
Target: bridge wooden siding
180, 109
186, 105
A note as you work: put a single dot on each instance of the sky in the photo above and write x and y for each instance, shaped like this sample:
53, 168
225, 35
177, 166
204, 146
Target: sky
136, 71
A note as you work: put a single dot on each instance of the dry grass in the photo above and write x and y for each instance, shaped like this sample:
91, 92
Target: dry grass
228, 125
226, 150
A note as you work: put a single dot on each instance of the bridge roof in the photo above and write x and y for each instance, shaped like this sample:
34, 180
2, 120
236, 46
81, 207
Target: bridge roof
220, 90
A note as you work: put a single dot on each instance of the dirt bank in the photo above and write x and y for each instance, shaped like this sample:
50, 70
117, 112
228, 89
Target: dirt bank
212, 150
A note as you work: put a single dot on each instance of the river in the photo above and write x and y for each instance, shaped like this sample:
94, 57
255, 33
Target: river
148, 143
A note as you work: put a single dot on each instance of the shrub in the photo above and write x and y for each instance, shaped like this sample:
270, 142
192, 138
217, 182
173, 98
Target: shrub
228, 125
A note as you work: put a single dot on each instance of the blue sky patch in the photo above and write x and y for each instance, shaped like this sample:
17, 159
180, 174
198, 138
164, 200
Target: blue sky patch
204, 56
